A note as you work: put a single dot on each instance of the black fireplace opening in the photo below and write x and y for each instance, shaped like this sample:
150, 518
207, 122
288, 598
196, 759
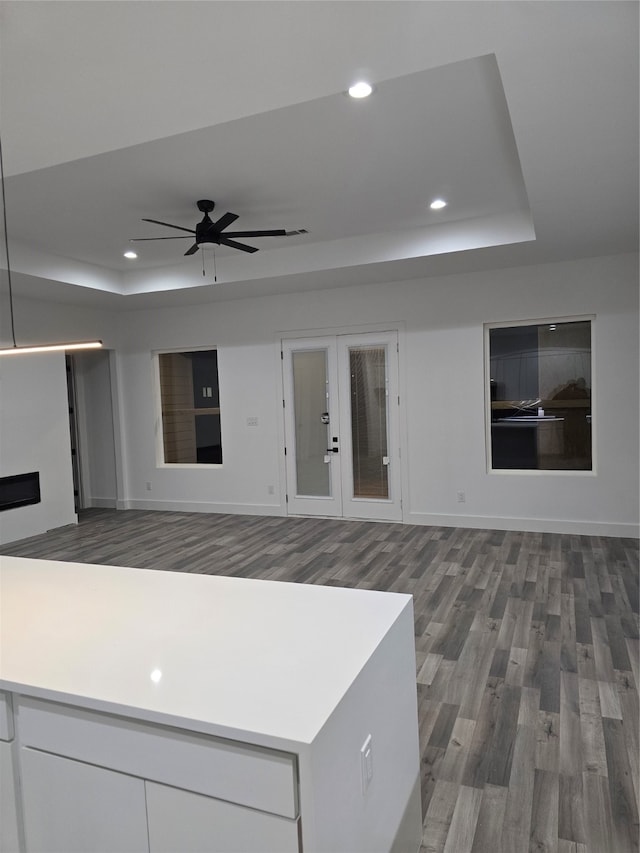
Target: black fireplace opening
19, 490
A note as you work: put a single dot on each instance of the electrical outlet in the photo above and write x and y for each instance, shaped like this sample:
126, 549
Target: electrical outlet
270, 490
252, 422
148, 487
366, 762
461, 497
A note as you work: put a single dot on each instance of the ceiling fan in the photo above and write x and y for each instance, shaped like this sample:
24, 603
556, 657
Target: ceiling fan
208, 232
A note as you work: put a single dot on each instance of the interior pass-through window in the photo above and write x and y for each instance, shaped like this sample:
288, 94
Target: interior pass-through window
190, 405
540, 388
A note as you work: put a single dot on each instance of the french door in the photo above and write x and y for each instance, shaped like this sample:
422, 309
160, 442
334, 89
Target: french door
341, 425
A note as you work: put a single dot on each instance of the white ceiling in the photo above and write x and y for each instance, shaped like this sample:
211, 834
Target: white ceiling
524, 115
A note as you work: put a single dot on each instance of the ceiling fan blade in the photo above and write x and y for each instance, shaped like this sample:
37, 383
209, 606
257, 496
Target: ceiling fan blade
232, 243
141, 239
192, 250
225, 221
276, 232
168, 225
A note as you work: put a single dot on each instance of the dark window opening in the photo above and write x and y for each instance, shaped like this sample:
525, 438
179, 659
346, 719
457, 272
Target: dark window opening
190, 402
540, 396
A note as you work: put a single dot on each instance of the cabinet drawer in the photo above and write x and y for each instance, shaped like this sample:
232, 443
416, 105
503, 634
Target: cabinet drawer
240, 773
191, 823
6, 717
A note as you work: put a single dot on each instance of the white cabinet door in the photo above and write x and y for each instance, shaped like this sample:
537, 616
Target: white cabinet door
8, 807
192, 823
71, 807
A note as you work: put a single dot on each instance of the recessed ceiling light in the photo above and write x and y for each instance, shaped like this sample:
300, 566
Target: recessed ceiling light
130, 254
438, 204
361, 89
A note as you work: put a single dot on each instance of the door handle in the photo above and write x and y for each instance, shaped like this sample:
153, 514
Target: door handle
332, 450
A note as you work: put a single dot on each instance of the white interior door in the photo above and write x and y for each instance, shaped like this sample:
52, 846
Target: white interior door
341, 423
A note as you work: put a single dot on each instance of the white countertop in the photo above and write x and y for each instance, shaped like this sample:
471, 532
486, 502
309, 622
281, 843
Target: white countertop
240, 658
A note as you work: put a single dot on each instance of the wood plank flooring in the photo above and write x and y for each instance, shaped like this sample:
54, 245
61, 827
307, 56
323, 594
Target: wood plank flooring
527, 657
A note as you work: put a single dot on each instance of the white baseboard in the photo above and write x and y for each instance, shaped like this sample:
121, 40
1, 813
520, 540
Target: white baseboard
102, 503
476, 522
528, 525
203, 506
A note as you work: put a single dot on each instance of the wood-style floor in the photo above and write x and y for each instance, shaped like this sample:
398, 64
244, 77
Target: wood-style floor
527, 657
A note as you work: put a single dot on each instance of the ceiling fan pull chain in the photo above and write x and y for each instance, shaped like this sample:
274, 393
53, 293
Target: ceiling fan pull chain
202, 253
215, 274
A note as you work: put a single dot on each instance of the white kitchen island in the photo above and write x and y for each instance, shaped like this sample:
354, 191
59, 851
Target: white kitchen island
174, 712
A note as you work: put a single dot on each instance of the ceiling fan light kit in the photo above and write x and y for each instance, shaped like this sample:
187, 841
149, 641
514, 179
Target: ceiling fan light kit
209, 234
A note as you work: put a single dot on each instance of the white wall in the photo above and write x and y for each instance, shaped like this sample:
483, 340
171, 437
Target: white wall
451, 350
442, 387
34, 436
442, 383
41, 322
34, 418
248, 382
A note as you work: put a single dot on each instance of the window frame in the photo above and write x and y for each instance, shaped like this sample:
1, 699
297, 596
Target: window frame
159, 429
538, 472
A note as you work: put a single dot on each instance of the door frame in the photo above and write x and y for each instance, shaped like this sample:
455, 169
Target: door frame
397, 327
111, 395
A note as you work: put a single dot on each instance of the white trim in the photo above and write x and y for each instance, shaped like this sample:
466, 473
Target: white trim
157, 393
624, 530
84, 439
506, 324
84, 462
335, 344
215, 508
193, 466
331, 331
541, 321
279, 338
330, 504
528, 525
157, 408
102, 503
540, 472
120, 461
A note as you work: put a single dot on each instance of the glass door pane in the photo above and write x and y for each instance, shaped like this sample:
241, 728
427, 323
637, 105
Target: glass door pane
367, 366
313, 474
